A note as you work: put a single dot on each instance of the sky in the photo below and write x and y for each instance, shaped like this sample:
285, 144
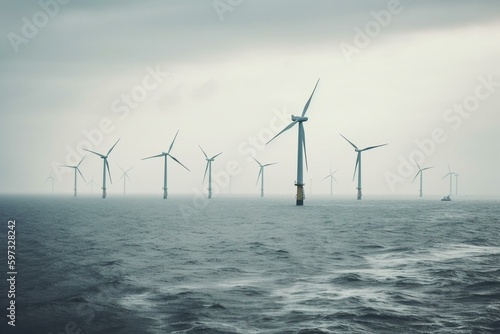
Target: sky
421, 76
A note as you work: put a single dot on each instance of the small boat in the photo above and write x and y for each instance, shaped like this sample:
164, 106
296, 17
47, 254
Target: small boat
446, 198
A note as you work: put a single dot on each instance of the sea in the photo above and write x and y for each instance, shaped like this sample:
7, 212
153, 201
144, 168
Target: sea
242, 264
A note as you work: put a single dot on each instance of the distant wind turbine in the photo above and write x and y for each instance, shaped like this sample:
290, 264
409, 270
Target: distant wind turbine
301, 151
51, 178
420, 171
450, 174
209, 169
76, 170
165, 155
92, 183
261, 175
125, 177
358, 162
105, 166
331, 180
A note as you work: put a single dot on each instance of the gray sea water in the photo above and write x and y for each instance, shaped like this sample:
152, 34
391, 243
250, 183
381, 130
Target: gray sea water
252, 265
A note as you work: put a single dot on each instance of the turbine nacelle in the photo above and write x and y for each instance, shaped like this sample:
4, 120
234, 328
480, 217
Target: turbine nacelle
299, 118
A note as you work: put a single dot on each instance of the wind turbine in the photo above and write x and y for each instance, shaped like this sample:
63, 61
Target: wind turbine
450, 174
165, 155
301, 151
261, 175
420, 171
105, 165
209, 168
76, 170
92, 183
125, 177
331, 180
51, 178
358, 162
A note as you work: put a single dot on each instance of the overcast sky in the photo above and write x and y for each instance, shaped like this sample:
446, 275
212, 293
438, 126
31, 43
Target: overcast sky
422, 76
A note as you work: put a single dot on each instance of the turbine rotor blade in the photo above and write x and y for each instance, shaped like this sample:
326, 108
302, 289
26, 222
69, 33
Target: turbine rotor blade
289, 126
420, 171
274, 163
206, 156
215, 156
257, 161
80, 161
109, 171
258, 176
372, 147
356, 167
445, 176
417, 164
178, 162
154, 156
205, 175
309, 101
112, 147
326, 177
173, 141
80, 174
304, 145
99, 154
427, 168
355, 147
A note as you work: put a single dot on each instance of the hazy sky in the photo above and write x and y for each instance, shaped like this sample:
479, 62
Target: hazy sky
422, 76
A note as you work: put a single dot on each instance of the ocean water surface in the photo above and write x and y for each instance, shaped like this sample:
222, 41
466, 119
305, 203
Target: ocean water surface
252, 265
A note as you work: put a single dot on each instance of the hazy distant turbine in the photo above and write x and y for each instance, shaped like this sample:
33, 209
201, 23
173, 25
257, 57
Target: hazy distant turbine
358, 163
76, 170
165, 155
420, 171
261, 175
331, 180
450, 174
51, 178
209, 169
125, 177
105, 165
92, 183
301, 150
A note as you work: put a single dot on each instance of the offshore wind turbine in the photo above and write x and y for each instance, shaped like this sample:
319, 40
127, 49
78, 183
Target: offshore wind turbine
450, 174
331, 180
51, 178
420, 171
92, 183
209, 169
76, 170
261, 175
358, 163
105, 166
165, 155
125, 177
301, 150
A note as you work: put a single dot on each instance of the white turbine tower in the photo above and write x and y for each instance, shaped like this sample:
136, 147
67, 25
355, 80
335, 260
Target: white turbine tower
125, 177
358, 163
209, 169
76, 170
261, 175
456, 184
105, 166
450, 174
301, 151
165, 155
420, 171
51, 178
331, 180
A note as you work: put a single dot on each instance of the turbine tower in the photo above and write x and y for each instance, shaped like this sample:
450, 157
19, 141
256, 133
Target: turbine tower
76, 170
261, 175
420, 171
51, 178
209, 169
105, 166
125, 177
331, 180
301, 151
450, 174
456, 184
358, 163
165, 155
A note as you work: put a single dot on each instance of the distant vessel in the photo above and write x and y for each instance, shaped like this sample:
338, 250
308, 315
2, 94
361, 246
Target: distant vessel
446, 198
